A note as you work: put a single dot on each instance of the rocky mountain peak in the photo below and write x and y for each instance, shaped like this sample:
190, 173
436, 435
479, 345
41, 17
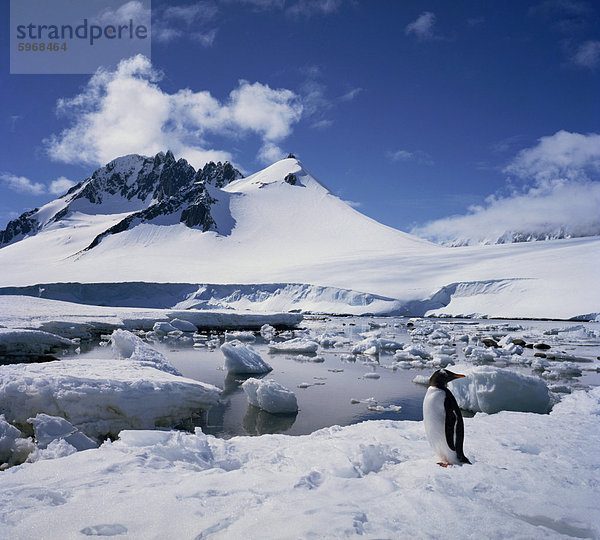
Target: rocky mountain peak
148, 187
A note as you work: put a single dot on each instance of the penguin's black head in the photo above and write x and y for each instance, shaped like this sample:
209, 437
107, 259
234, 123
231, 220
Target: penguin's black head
442, 377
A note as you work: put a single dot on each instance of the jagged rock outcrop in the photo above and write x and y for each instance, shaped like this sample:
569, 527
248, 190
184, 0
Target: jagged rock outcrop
19, 228
291, 179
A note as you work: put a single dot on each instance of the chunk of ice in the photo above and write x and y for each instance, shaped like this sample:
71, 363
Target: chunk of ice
270, 396
490, 390
184, 326
296, 345
241, 358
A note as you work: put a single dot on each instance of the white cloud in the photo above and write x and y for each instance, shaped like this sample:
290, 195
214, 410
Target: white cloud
422, 28
588, 55
322, 124
349, 96
400, 155
561, 197
125, 111
134, 10
258, 108
21, 184
191, 20
315, 102
205, 38
560, 210
562, 155
295, 8
353, 204
404, 155
269, 153
60, 185
308, 8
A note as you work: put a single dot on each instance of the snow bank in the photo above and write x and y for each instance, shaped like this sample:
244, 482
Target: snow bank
490, 390
241, 358
376, 479
270, 396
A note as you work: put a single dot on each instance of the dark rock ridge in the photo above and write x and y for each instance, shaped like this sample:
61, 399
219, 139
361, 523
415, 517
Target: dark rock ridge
147, 187
19, 228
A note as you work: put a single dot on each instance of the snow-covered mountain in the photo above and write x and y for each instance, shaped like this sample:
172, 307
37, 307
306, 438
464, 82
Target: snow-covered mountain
157, 220
148, 190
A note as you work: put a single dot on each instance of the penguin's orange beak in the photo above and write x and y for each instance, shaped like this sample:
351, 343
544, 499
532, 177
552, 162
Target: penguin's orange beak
458, 376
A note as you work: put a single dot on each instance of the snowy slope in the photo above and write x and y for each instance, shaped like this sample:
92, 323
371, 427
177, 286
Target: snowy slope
281, 225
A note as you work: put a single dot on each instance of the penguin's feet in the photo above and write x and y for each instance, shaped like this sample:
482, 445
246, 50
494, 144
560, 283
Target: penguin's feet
444, 464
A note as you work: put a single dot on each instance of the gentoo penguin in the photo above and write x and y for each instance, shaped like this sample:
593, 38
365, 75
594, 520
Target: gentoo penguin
443, 419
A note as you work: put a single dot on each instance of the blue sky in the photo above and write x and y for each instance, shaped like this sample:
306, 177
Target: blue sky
413, 110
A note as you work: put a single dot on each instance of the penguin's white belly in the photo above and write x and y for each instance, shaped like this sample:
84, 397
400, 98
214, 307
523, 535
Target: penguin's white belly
434, 417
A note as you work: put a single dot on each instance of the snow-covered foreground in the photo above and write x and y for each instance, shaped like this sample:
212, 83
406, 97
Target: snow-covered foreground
533, 476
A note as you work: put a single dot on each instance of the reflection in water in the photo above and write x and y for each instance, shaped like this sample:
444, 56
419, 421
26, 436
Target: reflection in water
233, 382
259, 422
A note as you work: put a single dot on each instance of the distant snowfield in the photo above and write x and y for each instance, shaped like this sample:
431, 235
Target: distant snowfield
302, 234
533, 476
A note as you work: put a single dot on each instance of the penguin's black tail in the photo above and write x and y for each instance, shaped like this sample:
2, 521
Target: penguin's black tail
464, 459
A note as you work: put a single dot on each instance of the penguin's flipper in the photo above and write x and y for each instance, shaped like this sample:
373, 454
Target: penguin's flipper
455, 427
450, 407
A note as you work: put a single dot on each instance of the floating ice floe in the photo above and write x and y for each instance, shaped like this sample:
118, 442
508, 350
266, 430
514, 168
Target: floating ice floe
573, 332
241, 358
23, 343
413, 350
328, 340
441, 360
184, 326
367, 346
438, 334
267, 332
240, 335
270, 396
163, 328
128, 345
101, 397
316, 359
481, 354
296, 345
382, 408
561, 370
421, 379
490, 390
